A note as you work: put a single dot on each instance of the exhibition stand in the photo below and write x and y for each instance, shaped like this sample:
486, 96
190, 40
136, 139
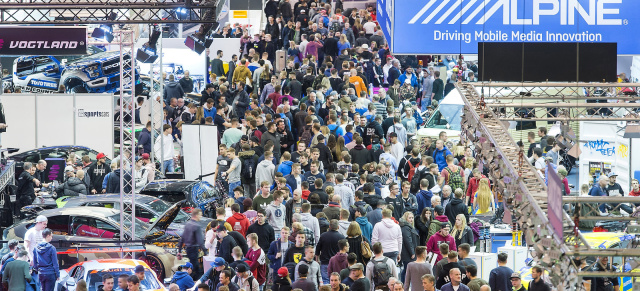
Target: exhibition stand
39, 120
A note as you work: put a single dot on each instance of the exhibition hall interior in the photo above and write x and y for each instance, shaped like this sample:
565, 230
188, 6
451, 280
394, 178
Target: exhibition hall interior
319, 145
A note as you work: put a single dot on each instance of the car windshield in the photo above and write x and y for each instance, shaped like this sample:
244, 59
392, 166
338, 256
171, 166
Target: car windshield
160, 207
447, 116
94, 280
141, 228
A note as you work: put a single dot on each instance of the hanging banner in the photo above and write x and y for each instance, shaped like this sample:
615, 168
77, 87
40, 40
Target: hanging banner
456, 26
43, 40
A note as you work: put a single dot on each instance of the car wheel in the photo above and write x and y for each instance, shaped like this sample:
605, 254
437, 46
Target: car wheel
155, 264
79, 89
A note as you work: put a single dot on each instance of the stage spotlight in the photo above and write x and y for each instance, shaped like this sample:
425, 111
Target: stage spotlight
104, 32
148, 53
201, 40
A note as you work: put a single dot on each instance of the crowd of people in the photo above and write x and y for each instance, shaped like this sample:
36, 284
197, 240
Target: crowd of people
329, 185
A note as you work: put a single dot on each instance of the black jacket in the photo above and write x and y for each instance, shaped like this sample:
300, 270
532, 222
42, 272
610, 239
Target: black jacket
410, 240
265, 234
331, 47
186, 84
144, 140
225, 246
217, 67
26, 192
328, 245
172, 90
454, 207
325, 154
467, 237
96, 175
373, 128
271, 9
243, 102
240, 241
72, 187
361, 156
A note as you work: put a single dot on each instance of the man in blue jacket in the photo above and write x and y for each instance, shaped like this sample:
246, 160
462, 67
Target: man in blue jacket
277, 249
440, 155
183, 277
45, 261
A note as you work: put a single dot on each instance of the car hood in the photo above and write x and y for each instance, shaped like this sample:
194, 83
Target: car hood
93, 58
163, 222
168, 185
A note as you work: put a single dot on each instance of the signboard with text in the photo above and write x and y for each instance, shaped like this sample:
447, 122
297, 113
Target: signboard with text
456, 26
43, 40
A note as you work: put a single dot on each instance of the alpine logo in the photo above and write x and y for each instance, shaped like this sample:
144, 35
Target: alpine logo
592, 12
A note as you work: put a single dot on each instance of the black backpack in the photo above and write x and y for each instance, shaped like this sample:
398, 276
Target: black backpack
381, 272
248, 168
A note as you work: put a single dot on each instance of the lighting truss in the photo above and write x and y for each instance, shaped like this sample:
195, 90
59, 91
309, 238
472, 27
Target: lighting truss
67, 12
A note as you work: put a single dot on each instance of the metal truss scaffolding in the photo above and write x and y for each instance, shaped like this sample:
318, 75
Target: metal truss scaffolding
67, 12
523, 190
126, 41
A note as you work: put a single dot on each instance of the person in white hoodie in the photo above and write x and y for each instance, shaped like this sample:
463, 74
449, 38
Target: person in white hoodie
344, 222
275, 213
164, 148
141, 174
310, 221
266, 170
389, 234
346, 194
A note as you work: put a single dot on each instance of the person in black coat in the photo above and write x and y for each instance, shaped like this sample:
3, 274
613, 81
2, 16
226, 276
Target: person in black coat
241, 101
271, 9
410, 240
331, 45
286, 137
456, 206
186, 83
325, 153
226, 244
207, 93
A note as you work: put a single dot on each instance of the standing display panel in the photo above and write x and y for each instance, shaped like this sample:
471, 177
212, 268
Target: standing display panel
200, 147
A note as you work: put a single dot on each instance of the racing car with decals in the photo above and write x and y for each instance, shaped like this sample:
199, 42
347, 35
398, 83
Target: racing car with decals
148, 208
88, 233
96, 73
93, 270
200, 194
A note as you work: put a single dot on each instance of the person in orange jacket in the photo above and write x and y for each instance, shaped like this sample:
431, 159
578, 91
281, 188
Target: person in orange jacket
358, 83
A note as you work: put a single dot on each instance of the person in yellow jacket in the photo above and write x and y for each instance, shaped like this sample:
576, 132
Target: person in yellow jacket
242, 74
358, 83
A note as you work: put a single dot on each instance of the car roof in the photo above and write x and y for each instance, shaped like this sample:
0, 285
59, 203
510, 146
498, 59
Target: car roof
98, 212
107, 197
103, 264
603, 240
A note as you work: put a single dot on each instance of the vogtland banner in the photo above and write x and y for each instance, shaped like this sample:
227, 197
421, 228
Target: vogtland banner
456, 26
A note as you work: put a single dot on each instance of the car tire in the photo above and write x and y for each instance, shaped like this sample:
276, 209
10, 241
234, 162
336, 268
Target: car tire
79, 89
155, 263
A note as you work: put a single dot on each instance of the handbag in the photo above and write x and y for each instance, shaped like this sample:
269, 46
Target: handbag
365, 249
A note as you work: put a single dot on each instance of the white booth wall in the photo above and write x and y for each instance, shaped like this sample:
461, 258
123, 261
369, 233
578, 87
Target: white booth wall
39, 120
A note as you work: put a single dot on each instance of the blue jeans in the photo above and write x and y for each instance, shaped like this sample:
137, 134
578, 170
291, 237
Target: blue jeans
47, 281
325, 274
233, 185
392, 255
168, 166
425, 102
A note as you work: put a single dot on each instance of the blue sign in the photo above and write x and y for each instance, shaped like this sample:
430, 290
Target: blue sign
456, 26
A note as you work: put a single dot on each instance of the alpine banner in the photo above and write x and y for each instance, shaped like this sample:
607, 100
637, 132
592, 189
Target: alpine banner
456, 26
43, 40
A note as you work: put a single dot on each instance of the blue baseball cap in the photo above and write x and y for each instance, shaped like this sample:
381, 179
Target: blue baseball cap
187, 265
218, 262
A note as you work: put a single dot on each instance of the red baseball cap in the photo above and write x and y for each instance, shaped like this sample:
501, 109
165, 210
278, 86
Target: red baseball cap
100, 156
145, 156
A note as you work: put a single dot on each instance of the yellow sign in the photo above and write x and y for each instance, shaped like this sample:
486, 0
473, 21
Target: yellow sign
240, 14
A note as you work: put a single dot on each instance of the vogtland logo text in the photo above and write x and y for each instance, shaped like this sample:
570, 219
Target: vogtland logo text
593, 12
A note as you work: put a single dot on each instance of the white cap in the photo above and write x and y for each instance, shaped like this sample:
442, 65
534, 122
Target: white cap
41, 218
365, 46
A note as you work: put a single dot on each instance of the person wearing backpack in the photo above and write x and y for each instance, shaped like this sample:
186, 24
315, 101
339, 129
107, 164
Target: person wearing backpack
245, 280
412, 165
452, 175
380, 268
440, 154
249, 162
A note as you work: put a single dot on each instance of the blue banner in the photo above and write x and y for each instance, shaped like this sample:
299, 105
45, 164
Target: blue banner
456, 26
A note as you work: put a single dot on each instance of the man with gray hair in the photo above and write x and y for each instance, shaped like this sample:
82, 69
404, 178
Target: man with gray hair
41, 166
16, 273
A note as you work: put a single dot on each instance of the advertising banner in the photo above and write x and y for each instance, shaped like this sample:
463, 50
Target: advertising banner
94, 121
54, 170
43, 40
200, 147
456, 26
